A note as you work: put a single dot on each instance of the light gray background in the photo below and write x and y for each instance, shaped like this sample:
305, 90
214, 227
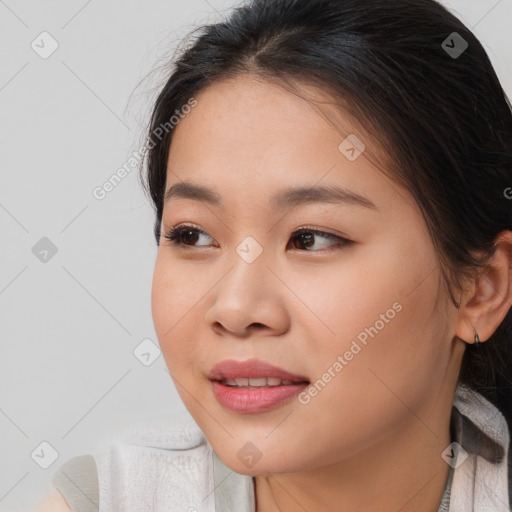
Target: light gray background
69, 326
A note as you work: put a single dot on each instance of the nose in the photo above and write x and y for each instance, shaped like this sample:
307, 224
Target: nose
249, 299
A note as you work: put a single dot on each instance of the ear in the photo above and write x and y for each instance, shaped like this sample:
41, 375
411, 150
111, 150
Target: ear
489, 296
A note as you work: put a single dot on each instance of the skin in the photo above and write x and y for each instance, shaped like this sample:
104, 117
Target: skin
53, 501
372, 438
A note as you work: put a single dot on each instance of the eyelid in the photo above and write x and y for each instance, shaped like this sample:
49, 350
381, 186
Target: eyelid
296, 230
319, 231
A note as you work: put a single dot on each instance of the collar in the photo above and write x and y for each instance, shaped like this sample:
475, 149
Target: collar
481, 478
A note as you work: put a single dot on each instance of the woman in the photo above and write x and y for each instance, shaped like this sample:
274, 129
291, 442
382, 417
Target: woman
333, 286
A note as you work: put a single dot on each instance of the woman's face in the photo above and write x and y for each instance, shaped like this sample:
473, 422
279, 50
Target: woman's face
359, 320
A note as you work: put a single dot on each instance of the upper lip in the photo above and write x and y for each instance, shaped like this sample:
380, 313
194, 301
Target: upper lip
252, 368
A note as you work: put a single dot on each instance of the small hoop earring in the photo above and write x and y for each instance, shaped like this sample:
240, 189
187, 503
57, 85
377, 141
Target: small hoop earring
477, 340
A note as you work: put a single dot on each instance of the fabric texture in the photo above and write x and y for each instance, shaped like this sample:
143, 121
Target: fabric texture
170, 466
77, 481
481, 482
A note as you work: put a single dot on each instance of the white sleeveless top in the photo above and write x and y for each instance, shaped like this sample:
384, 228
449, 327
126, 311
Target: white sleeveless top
169, 466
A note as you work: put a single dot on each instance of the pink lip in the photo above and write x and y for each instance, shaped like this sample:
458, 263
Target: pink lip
252, 368
253, 400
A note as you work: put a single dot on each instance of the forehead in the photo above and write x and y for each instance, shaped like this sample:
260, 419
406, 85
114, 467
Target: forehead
249, 137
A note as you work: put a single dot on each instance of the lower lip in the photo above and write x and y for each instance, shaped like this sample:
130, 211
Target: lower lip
255, 399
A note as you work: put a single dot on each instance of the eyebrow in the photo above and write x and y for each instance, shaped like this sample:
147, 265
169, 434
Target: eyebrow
286, 198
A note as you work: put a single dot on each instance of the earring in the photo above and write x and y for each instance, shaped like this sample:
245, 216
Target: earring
477, 340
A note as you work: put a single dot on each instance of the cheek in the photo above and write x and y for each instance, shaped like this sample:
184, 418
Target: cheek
176, 289
162, 301
380, 311
173, 298
366, 288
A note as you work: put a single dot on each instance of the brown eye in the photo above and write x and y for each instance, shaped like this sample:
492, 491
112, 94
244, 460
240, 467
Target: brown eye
185, 235
306, 238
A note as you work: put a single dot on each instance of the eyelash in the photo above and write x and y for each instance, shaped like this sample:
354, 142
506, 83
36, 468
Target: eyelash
173, 235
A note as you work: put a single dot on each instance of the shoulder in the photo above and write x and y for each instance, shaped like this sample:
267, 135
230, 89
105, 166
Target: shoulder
165, 458
75, 487
53, 501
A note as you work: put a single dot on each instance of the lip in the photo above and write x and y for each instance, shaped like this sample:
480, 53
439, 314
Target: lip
253, 400
252, 368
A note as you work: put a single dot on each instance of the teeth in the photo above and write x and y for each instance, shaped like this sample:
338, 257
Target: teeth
259, 382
